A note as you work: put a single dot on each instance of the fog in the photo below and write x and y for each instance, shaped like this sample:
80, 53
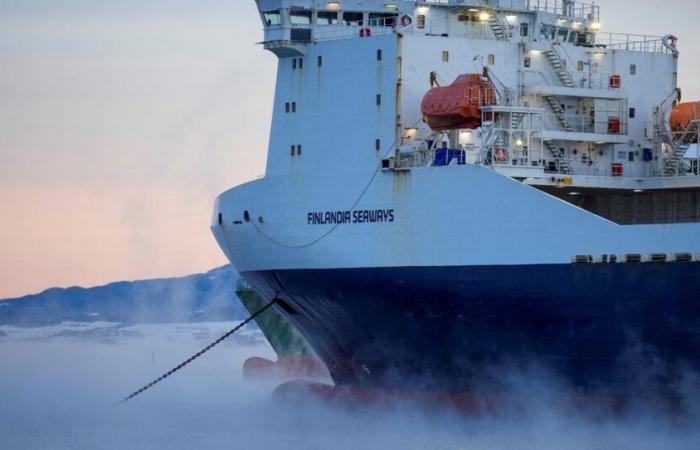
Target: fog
60, 387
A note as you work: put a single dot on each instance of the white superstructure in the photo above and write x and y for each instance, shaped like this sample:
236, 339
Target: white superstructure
582, 115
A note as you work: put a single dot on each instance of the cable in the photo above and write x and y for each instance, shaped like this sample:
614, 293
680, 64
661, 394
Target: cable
334, 227
198, 354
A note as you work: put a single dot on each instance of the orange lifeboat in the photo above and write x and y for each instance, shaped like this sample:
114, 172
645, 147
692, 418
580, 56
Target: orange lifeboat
683, 115
457, 105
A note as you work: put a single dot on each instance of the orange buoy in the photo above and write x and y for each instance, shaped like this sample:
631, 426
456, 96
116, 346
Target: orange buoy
684, 114
458, 105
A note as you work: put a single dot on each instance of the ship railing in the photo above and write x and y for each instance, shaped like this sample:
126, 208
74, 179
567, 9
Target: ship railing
582, 123
581, 79
470, 30
631, 42
343, 30
580, 11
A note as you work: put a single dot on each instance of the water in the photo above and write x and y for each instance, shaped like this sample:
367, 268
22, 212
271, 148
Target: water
59, 387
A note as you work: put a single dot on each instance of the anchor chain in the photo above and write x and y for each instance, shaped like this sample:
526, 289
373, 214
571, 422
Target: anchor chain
198, 354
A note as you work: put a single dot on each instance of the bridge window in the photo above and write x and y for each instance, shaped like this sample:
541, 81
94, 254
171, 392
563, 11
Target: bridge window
319, 63
300, 17
445, 56
382, 19
352, 18
294, 107
327, 18
272, 17
633, 69
379, 54
286, 107
379, 99
633, 113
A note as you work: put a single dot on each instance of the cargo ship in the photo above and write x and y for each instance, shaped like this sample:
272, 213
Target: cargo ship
456, 189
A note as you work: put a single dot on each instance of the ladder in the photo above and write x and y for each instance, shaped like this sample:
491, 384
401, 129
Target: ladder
679, 147
559, 67
558, 154
498, 29
559, 112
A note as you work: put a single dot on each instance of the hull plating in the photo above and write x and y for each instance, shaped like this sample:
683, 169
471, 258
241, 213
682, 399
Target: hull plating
618, 326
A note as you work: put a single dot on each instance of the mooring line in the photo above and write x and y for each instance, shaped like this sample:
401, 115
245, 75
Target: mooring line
198, 354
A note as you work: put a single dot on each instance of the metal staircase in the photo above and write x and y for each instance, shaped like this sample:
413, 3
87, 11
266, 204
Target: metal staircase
559, 112
500, 31
559, 67
679, 147
516, 119
558, 155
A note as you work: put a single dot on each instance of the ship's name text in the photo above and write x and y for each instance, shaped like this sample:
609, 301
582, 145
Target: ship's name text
343, 217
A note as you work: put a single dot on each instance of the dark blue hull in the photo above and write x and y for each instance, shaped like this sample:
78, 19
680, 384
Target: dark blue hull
594, 326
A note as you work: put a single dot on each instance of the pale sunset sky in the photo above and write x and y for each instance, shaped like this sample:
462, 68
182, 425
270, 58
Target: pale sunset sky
120, 121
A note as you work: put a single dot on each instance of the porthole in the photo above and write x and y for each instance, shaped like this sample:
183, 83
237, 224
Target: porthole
246, 216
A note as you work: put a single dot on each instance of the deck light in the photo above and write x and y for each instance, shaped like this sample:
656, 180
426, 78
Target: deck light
512, 19
390, 5
519, 142
484, 16
333, 6
473, 10
575, 25
574, 193
638, 191
595, 26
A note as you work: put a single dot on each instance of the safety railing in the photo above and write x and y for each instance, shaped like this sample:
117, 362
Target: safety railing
632, 42
580, 11
579, 123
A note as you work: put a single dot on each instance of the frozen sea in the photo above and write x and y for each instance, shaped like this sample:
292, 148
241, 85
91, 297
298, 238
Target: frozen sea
59, 388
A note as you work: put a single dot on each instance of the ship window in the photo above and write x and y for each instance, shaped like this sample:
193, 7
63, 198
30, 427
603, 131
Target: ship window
377, 144
630, 156
445, 56
382, 19
379, 99
300, 17
294, 63
352, 18
633, 112
420, 21
327, 18
526, 62
379, 55
524, 29
633, 69
579, 66
293, 150
320, 61
272, 17
491, 60
286, 107
299, 150
301, 63
294, 107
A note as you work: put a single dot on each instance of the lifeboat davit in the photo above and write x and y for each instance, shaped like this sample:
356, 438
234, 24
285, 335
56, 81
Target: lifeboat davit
457, 105
683, 115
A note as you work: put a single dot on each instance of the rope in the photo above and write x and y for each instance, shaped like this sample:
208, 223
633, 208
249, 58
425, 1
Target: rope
335, 226
198, 354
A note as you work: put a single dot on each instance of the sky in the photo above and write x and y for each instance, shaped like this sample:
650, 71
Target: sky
121, 121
